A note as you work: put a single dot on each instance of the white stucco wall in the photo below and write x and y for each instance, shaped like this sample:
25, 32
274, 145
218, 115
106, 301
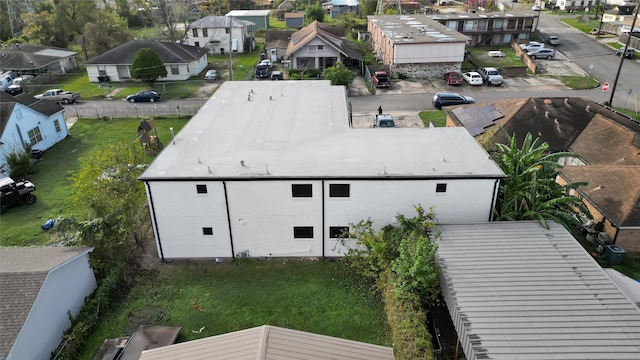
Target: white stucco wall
217, 38
116, 71
263, 213
411, 53
310, 50
180, 213
63, 290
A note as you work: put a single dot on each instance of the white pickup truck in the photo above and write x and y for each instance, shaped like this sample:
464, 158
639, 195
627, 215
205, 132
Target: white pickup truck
59, 96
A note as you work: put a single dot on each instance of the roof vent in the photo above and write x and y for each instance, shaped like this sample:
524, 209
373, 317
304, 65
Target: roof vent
242, 163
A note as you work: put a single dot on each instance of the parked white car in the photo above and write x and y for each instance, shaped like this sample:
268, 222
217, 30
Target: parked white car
532, 46
472, 78
491, 76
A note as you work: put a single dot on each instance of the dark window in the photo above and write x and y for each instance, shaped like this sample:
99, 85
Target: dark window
196, 44
338, 190
175, 70
201, 189
207, 231
338, 231
320, 47
195, 32
303, 232
441, 188
56, 123
205, 33
34, 136
301, 190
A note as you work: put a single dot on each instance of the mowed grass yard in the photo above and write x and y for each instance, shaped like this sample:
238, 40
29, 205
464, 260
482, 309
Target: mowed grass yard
316, 296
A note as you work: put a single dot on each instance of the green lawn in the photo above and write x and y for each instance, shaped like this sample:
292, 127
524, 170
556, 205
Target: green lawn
21, 224
315, 296
481, 58
584, 24
579, 82
437, 117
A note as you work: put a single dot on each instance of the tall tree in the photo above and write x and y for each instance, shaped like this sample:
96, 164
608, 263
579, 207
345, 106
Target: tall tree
109, 31
70, 17
315, 12
530, 190
368, 7
147, 66
39, 28
172, 16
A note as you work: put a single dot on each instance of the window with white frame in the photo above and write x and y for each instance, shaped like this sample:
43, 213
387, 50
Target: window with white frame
468, 25
453, 25
34, 135
175, 70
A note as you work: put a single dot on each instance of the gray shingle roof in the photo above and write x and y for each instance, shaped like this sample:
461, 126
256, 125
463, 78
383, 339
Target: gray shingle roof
30, 56
517, 291
169, 53
44, 107
22, 273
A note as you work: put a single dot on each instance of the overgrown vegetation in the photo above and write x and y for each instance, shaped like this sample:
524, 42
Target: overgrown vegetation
19, 161
402, 263
339, 74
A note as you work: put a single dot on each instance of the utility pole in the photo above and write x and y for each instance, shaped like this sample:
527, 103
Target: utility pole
624, 53
230, 44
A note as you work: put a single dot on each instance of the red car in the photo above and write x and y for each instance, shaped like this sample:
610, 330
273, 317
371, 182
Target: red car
453, 78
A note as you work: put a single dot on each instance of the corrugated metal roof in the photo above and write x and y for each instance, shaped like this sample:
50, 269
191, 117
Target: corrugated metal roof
270, 342
213, 22
248, 13
517, 291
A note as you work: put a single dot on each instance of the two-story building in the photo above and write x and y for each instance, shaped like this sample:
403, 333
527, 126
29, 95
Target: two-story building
288, 174
220, 34
416, 45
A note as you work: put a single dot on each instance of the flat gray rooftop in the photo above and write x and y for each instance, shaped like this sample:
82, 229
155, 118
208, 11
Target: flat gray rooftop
300, 129
517, 291
415, 28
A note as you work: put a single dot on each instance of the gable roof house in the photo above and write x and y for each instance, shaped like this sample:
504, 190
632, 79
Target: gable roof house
319, 46
608, 145
27, 120
276, 43
181, 61
287, 5
289, 174
38, 288
271, 342
212, 33
37, 59
416, 45
294, 19
337, 7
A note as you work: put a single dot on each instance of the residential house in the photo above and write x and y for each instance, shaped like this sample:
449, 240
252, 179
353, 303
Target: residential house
271, 342
416, 45
212, 33
337, 7
263, 4
516, 290
288, 175
25, 120
37, 59
619, 21
181, 61
585, 4
39, 289
294, 19
276, 43
606, 142
259, 17
491, 28
319, 46
287, 5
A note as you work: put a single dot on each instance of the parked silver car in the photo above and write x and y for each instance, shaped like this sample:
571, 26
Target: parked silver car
491, 76
543, 53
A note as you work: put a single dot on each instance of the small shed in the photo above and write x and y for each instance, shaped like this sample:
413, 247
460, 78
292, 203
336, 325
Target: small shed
294, 19
258, 17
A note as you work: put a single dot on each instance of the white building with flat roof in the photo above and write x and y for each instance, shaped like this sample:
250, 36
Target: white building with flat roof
273, 168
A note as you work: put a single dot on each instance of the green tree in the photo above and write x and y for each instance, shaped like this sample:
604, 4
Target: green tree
112, 199
106, 33
70, 17
368, 7
147, 66
39, 28
315, 12
530, 190
339, 74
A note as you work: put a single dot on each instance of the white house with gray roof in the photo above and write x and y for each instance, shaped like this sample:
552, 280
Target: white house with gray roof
273, 168
38, 288
212, 33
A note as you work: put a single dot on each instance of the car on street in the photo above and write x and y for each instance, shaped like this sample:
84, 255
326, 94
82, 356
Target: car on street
543, 53
144, 95
472, 78
595, 31
211, 75
453, 78
531, 46
553, 40
536, 8
491, 76
383, 121
629, 54
445, 99
13, 89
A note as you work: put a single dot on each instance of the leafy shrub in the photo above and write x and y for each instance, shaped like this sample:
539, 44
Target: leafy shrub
20, 163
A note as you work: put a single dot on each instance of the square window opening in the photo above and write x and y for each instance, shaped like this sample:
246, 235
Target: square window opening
303, 232
201, 189
440, 188
207, 231
337, 232
301, 190
339, 190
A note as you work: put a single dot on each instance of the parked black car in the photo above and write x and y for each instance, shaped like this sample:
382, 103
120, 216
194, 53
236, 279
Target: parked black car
629, 54
13, 89
144, 95
445, 99
263, 71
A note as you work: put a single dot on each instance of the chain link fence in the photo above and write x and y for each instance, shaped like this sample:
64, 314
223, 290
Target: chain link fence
119, 109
